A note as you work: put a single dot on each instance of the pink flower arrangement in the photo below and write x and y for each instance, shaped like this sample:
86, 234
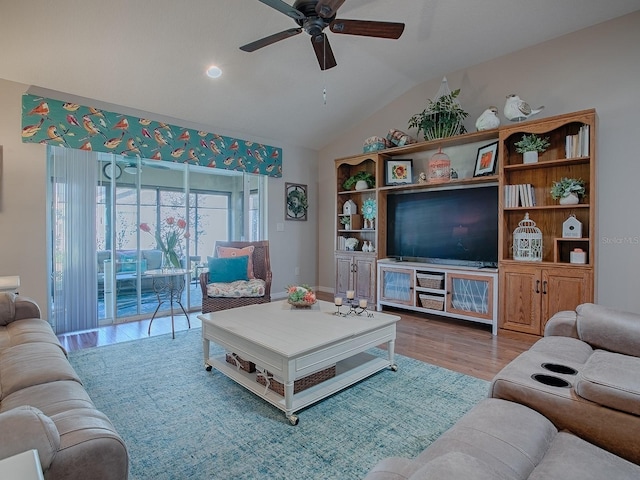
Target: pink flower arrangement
168, 238
301, 294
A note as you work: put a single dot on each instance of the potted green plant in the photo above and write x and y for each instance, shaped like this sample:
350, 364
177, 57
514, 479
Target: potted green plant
442, 117
346, 221
362, 176
568, 190
530, 146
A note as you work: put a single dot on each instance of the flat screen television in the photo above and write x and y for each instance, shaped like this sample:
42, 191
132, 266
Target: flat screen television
449, 226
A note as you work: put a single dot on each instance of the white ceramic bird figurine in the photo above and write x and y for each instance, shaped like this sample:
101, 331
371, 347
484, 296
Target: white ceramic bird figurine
489, 119
517, 110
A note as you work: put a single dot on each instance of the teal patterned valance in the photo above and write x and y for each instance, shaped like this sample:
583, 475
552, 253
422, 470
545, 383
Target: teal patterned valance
49, 121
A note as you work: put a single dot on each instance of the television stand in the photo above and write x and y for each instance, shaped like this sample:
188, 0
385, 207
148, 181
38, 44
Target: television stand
466, 293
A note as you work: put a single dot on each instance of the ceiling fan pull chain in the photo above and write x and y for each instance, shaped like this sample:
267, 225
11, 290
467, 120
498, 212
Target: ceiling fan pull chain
324, 53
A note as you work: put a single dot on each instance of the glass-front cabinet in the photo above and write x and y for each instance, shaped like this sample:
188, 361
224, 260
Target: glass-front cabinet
396, 285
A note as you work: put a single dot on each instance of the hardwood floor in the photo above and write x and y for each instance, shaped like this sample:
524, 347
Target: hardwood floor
458, 345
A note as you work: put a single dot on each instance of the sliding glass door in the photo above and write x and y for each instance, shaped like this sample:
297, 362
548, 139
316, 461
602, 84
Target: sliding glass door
140, 209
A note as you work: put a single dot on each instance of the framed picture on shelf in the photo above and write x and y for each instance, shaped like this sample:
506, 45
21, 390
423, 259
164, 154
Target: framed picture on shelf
296, 203
398, 172
486, 160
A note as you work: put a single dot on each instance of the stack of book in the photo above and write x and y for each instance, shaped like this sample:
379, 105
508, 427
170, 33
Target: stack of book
577, 145
521, 195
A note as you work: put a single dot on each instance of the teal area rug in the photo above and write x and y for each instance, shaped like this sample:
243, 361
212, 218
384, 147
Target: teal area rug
180, 421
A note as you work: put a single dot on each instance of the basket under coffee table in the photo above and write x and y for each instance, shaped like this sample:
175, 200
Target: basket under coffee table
288, 344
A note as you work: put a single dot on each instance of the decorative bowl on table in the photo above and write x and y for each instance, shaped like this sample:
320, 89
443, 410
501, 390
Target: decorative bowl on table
300, 296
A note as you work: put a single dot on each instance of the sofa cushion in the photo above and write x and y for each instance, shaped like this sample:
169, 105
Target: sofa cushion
609, 329
30, 364
225, 252
507, 437
570, 457
153, 258
459, 465
26, 428
227, 270
30, 330
50, 398
240, 288
611, 379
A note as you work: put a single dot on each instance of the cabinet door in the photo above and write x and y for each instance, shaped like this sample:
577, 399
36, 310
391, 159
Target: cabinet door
397, 285
520, 299
564, 289
343, 274
469, 294
364, 278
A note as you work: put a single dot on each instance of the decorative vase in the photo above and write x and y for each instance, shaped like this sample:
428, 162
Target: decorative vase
530, 157
167, 264
571, 199
362, 185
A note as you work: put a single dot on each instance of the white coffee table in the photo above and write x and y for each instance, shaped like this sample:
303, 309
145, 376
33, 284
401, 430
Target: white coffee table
293, 343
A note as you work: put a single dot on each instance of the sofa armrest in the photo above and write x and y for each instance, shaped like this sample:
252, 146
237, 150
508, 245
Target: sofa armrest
26, 308
14, 307
609, 329
26, 428
562, 324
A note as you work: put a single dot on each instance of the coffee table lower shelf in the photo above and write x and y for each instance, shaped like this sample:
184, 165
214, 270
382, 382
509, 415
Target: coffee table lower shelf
348, 372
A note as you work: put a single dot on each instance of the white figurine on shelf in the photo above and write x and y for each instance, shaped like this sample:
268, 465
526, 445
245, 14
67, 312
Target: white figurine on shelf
488, 120
516, 109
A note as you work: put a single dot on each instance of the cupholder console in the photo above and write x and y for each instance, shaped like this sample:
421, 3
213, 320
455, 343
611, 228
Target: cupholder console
557, 368
550, 380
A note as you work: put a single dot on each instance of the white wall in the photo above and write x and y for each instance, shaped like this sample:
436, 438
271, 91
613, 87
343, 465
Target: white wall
23, 209
599, 68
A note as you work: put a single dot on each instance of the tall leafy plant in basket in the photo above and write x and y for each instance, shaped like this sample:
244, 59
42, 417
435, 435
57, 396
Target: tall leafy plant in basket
443, 116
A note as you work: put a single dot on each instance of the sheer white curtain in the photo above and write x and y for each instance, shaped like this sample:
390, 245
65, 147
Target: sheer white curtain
73, 176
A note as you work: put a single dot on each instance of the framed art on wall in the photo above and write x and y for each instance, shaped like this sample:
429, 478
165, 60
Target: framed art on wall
486, 160
296, 203
398, 172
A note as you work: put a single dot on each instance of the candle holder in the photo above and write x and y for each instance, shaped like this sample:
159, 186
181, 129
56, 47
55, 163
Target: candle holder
354, 307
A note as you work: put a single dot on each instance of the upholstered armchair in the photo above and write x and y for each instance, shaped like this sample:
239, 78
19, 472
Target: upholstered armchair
239, 274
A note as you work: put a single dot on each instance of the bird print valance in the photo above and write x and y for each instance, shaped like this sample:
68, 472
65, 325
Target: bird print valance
64, 124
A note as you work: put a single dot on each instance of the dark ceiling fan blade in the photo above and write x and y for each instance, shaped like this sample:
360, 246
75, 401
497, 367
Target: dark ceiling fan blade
368, 28
284, 8
276, 37
328, 8
323, 51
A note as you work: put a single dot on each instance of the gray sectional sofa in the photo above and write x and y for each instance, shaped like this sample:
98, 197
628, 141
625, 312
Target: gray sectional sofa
568, 408
502, 440
44, 406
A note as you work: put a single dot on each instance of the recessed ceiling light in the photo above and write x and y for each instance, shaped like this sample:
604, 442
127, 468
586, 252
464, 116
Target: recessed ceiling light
213, 71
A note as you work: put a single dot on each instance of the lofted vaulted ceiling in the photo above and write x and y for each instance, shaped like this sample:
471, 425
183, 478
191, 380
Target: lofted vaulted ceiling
151, 55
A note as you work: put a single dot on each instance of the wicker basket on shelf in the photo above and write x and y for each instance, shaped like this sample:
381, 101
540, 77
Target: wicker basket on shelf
298, 385
243, 364
430, 281
432, 302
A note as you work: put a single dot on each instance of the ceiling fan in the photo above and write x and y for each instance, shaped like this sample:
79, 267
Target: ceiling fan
314, 16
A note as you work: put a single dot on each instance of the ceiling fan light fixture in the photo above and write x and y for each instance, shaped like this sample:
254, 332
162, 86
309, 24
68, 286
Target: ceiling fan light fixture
214, 71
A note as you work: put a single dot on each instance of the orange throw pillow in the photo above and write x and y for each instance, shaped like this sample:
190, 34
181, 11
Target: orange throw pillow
226, 252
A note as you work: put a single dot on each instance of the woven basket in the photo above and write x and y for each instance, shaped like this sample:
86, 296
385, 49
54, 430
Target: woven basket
430, 281
245, 365
432, 302
300, 384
